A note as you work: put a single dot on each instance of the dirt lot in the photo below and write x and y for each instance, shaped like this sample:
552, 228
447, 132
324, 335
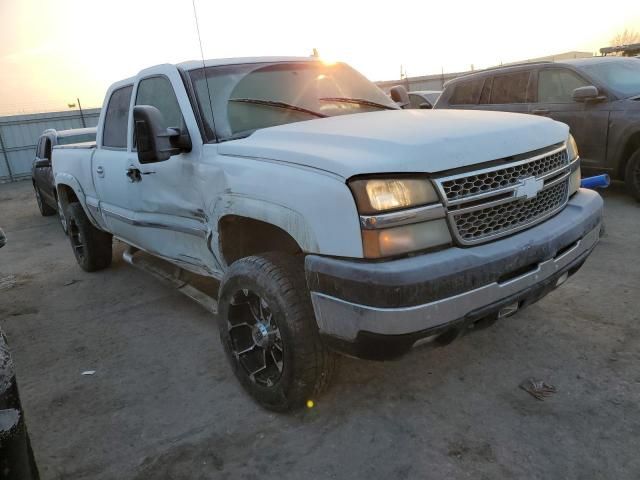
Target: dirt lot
164, 404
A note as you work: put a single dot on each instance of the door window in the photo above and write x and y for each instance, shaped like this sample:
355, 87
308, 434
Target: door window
116, 118
47, 148
40, 148
158, 92
556, 85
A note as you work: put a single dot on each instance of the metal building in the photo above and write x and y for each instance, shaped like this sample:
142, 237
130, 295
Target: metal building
19, 137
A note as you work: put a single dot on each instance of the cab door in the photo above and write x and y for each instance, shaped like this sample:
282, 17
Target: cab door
588, 122
116, 194
169, 204
42, 171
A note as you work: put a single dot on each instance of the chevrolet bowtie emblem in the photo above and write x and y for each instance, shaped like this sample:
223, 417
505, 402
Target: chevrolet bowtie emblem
529, 188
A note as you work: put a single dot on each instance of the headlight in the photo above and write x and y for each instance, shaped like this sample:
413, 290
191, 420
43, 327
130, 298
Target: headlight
576, 175
380, 195
399, 216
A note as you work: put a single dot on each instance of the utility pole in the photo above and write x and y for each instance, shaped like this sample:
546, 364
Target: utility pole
72, 105
81, 115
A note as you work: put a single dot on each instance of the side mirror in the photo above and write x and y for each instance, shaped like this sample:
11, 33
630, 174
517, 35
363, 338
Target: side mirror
585, 94
3, 239
155, 142
42, 163
400, 96
425, 106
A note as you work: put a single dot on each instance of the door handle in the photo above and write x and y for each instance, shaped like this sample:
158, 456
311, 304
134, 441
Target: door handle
134, 174
540, 111
100, 171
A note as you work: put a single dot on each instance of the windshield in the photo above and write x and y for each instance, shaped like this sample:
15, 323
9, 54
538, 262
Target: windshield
251, 96
623, 76
81, 138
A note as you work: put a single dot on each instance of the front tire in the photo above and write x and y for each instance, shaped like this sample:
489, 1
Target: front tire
632, 175
269, 333
92, 247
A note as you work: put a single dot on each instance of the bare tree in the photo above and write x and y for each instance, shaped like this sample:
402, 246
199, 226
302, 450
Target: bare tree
627, 37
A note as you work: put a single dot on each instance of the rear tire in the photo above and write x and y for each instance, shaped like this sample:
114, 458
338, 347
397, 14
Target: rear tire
45, 210
62, 216
269, 332
632, 175
92, 247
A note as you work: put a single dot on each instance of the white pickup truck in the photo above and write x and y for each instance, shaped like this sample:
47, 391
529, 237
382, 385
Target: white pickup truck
333, 220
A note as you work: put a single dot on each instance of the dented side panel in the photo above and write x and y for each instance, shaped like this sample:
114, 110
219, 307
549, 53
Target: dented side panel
316, 208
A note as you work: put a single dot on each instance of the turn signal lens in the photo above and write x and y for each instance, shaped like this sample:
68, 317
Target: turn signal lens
407, 238
572, 148
575, 179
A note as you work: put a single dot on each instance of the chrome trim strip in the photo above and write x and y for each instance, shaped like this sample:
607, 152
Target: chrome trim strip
403, 217
480, 196
202, 233
503, 166
345, 319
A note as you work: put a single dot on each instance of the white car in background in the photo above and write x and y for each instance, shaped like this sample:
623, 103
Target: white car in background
424, 99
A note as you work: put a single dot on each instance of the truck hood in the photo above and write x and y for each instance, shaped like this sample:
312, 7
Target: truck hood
400, 141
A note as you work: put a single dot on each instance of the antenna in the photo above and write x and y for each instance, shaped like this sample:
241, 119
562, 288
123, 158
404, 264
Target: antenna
204, 73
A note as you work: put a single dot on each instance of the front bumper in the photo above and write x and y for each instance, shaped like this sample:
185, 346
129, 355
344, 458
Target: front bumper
379, 310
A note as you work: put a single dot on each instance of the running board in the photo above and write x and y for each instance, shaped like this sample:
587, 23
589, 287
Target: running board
170, 273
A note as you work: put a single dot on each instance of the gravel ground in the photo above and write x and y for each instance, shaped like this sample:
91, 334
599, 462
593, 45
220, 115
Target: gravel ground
163, 404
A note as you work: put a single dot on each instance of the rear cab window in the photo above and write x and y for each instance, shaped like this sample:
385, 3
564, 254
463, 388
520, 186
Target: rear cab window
114, 133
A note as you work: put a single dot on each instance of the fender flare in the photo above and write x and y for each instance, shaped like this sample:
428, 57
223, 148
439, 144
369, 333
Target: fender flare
284, 217
68, 180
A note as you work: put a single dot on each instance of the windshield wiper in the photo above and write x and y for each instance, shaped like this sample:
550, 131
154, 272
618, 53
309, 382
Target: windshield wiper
271, 103
358, 101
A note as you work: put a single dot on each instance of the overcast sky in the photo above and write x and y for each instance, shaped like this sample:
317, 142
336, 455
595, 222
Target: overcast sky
54, 51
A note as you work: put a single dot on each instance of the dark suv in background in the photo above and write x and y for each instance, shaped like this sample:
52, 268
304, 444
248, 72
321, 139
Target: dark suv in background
599, 98
41, 172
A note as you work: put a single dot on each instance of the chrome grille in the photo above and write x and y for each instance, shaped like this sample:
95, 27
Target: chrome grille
465, 186
493, 202
487, 222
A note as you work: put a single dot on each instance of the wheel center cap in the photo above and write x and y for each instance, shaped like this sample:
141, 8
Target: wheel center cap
261, 335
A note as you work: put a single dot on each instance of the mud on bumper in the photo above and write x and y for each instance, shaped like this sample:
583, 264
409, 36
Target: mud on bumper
379, 310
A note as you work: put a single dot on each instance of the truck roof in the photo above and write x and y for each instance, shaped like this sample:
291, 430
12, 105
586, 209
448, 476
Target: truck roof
72, 132
214, 62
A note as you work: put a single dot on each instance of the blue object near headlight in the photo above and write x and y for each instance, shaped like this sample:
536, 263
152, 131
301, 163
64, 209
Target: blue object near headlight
599, 181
